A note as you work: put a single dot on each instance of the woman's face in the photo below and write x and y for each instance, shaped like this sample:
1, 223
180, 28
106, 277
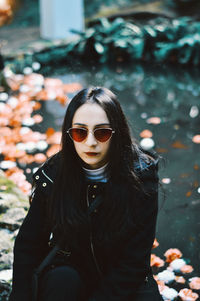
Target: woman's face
93, 153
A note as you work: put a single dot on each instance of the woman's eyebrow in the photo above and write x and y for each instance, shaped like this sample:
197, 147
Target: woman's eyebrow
77, 123
100, 124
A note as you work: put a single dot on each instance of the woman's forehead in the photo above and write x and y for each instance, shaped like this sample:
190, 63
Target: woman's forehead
90, 114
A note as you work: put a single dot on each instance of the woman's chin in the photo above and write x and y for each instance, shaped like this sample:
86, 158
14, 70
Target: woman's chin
92, 163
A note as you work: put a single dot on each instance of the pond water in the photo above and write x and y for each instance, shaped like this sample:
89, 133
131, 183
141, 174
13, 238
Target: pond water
173, 95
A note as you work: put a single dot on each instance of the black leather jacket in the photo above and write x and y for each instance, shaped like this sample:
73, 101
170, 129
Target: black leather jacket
114, 273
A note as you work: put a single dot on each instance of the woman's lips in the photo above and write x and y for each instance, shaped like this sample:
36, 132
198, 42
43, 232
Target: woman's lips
91, 154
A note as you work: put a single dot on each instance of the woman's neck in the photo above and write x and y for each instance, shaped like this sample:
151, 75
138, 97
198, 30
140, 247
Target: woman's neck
96, 175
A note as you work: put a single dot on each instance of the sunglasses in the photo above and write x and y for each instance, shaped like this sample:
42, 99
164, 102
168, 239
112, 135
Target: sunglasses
100, 134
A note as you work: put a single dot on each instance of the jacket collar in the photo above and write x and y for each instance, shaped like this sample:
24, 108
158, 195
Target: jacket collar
46, 173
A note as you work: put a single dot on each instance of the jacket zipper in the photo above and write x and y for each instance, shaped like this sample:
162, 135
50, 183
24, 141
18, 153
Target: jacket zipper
47, 176
91, 240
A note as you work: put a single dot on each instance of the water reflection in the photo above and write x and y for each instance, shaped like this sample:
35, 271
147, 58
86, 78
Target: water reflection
171, 94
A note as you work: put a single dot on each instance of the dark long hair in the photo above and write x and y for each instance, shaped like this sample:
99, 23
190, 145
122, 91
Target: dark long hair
68, 204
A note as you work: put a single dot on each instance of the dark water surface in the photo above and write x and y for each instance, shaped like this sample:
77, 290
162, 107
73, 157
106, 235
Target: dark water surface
173, 95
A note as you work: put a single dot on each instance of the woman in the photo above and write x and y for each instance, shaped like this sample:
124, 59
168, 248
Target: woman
97, 197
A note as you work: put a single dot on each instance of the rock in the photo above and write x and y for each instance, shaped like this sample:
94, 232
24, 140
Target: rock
6, 249
5, 289
13, 208
6, 275
6, 240
5, 284
6, 260
10, 200
12, 219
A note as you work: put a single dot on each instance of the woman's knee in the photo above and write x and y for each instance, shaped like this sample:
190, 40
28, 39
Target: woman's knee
61, 282
62, 274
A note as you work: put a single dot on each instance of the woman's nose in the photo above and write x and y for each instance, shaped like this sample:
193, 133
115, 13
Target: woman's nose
90, 140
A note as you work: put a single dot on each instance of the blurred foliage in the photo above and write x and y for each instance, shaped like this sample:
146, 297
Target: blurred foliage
157, 40
161, 39
93, 7
179, 7
7, 184
184, 3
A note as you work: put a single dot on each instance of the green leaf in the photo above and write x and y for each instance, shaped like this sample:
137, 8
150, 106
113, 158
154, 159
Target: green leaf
120, 43
99, 48
184, 54
150, 31
105, 23
134, 29
188, 40
164, 51
196, 55
137, 48
89, 33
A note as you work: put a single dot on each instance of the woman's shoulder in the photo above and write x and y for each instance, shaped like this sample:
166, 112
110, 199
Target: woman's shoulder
147, 164
146, 169
45, 175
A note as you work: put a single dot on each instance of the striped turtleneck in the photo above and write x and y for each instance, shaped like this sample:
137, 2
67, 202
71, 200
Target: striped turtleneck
96, 175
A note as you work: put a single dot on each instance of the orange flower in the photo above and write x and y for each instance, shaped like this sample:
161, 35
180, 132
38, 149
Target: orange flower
37, 105
15, 121
156, 261
196, 139
17, 176
4, 121
33, 79
154, 120
186, 269
62, 98
71, 88
42, 95
27, 159
180, 279
155, 244
166, 180
188, 193
32, 136
38, 118
52, 83
187, 294
52, 150
14, 81
180, 145
6, 12
55, 138
16, 139
194, 283
10, 171
172, 254
146, 134
40, 158
156, 278
161, 285
14, 153
49, 132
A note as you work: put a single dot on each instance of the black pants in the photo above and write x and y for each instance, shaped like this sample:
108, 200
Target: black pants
63, 283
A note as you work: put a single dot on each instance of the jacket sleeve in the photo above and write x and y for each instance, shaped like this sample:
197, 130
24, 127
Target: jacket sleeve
29, 248
131, 269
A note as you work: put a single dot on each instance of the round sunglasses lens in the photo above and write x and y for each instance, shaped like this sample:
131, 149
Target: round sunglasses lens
78, 135
102, 135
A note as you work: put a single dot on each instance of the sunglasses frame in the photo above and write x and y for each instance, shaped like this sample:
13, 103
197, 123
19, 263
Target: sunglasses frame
90, 131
